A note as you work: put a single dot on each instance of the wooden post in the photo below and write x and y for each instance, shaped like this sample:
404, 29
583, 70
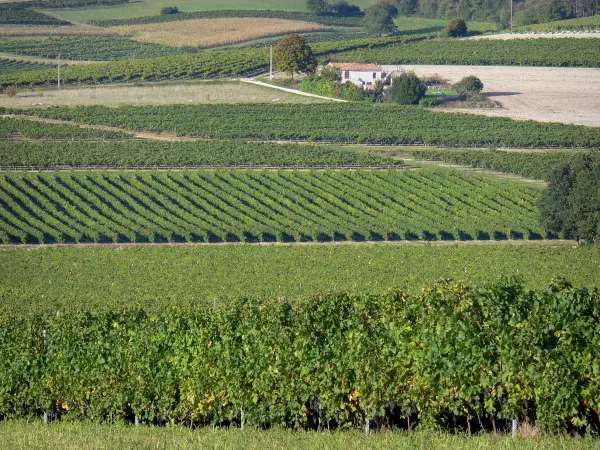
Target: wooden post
367, 426
136, 420
241, 419
515, 427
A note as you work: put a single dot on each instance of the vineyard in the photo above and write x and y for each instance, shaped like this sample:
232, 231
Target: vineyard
329, 20
22, 128
96, 279
142, 153
517, 52
8, 65
207, 64
20, 14
251, 206
579, 24
362, 123
88, 48
464, 358
529, 165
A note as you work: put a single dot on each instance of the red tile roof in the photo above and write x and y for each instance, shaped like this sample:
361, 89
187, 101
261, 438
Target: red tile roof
356, 66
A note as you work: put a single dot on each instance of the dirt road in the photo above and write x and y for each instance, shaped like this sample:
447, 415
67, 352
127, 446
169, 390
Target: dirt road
548, 94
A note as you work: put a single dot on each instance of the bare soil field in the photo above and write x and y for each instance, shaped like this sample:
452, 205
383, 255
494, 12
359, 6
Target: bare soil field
214, 32
547, 94
556, 35
154, 94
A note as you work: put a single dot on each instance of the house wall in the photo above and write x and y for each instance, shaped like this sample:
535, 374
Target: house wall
355, 76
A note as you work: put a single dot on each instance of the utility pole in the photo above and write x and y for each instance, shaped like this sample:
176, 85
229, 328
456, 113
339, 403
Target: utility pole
271, 64
511, 15
59, 70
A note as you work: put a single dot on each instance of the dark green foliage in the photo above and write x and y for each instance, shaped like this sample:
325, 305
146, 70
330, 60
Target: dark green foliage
88, 48
36, 130
317, 6
292, 54
536, 165
342, 8
455, 28
517, 52
407, 89
331, 73
470, 85
571, 203
8, 65
169, 10
335, 359
21, 14
324, 19
381, 124
248, 205
379, 19
144, 153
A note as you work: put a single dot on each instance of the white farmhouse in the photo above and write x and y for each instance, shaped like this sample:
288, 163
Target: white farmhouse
363, 75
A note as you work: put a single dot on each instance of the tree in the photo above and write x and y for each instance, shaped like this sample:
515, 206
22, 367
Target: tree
455, 28
317, 6
571, 202
379, 20
293, 54
342, 8
331, 73
169, 10
470, 85
407, 89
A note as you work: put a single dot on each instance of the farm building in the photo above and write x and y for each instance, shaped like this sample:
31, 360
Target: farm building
364, 75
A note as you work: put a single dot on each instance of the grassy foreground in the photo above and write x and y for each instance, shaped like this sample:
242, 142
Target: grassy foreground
101, 277
21, 435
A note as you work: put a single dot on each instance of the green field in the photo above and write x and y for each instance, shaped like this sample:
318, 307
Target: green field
580, 24
148, 153
153, 7
101, 278
20, 435
337, 122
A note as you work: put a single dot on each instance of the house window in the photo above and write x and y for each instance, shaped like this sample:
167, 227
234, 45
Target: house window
347, 74
374, 75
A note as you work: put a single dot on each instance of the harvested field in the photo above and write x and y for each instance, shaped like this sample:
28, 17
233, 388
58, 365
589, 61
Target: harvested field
14, 31
535, 93
556, 35
215, 32
154, 94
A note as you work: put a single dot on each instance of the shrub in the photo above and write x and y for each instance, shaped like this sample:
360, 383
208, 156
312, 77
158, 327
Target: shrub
11, 91
342, 8
169, 10
407, 89
331, 73
470, 85
455, 28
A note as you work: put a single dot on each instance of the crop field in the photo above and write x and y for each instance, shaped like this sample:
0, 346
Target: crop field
362, 123
152, 8
537, 165
86, 48
531, 93
517, 52
22, 128
214, 32
148, 153
263, 206
13, 31
11, 14
8, 65
167, 93
580, 24
156, 277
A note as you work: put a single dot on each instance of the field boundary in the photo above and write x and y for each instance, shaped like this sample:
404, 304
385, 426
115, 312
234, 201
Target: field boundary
293, 91
439, 243
202, 167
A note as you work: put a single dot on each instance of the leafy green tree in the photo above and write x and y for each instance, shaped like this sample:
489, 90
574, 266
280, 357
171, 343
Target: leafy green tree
331, 73
407, 89
455, 28
470, 85
379, 19
169, 10
317, 6
571, 203
293, 54
342, 8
